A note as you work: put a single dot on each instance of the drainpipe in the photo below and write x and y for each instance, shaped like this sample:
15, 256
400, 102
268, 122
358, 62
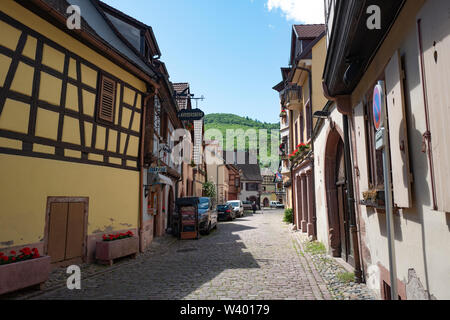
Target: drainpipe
142, 171
351, 200
426, 148
309, 133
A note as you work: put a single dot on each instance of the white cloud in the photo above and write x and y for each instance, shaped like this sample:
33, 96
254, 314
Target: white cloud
300, 11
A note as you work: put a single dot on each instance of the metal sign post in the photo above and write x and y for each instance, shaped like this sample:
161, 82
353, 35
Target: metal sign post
382, 143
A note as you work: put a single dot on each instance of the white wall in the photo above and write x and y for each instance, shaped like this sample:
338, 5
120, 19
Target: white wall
422, 235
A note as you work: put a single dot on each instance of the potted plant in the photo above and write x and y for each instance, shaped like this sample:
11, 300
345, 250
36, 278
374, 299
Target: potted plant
301, 149
26, 269
116, 246
373, 198
283, 114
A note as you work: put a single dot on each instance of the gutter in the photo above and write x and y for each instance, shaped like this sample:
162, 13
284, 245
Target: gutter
142, 170
99, 45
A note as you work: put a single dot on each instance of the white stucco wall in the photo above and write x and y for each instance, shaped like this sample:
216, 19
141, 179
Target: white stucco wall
422, 234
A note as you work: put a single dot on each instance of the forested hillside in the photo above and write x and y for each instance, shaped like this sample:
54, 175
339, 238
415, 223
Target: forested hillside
225, 121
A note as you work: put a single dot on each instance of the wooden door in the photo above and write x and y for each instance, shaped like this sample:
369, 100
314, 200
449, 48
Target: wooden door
342, 201
66, 232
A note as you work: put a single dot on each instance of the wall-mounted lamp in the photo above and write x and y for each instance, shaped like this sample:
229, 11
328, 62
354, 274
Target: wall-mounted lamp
146, 190
321, 114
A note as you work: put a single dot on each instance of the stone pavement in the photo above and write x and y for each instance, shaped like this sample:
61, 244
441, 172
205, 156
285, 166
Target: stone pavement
251, 258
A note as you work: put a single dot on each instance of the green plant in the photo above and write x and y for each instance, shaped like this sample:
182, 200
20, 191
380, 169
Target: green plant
346, 277
209, 190
315, 247
288, 215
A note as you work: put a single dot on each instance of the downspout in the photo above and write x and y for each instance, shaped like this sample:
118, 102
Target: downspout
426, 148
351, 200
142, 171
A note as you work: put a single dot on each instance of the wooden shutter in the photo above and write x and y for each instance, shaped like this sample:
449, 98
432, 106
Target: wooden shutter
57, 232
435, 27
361, 146
75, 230
107, 99
398, 133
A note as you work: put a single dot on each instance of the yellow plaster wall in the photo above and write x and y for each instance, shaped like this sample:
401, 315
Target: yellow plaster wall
30, 48
15, 116
113, 195
23, 79
319, 54
53, 58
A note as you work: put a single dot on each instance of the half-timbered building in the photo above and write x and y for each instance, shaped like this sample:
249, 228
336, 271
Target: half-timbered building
72, 109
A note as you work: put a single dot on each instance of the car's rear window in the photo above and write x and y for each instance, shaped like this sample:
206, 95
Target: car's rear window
222, 207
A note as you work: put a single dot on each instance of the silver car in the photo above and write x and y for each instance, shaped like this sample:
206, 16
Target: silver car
238, 207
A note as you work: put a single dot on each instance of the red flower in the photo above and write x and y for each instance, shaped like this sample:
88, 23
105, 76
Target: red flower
13, 253
1, 254
13, 258
5, 258
36, 255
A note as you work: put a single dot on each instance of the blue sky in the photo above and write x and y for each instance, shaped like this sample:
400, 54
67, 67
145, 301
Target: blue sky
230, 51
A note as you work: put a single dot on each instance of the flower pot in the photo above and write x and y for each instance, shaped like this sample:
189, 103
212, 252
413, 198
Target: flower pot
107, 251
20, 275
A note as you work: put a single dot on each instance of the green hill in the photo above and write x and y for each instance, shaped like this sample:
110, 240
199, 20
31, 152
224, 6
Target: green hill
226, 121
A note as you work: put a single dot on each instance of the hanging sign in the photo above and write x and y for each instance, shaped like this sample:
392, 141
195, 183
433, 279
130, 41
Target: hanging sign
157, 170
379, 109
190, 115
378, 106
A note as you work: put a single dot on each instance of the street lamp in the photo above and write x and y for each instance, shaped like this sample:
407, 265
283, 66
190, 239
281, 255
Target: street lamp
293, 92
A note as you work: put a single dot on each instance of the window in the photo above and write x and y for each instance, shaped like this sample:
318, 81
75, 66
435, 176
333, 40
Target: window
157, 116
107, 99
252, 187
296, 134
308, 121
375, 158
302, 127
237, 182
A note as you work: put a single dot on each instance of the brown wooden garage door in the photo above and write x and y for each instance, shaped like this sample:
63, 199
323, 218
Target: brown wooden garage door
66, 231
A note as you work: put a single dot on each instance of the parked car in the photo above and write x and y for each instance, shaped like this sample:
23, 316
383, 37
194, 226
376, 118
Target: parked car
207, 214
276, 205
226, 212
247, 205
238, 208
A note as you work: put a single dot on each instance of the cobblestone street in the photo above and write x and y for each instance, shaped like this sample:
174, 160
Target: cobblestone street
251, 258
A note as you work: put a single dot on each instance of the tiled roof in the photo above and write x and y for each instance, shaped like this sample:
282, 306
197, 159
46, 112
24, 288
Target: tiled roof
250, 169
96, 24
179, 89
309, 31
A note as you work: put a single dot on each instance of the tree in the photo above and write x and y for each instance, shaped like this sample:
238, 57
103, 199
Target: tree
209, 190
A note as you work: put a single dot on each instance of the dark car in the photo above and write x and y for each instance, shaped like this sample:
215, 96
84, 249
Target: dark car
226, 212
207, 215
